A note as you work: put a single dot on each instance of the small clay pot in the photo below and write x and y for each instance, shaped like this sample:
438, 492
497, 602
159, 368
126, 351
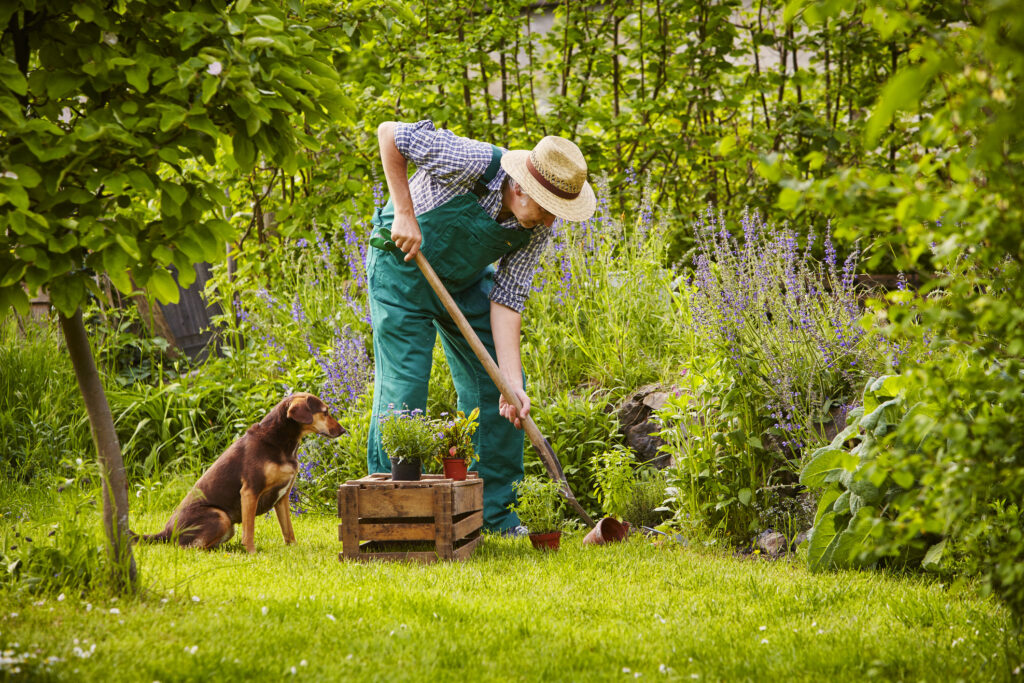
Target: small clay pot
546, 541
408, 469
608, 530
454, 468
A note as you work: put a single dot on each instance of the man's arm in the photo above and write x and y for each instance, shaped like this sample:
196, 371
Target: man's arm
405, 229
506, 324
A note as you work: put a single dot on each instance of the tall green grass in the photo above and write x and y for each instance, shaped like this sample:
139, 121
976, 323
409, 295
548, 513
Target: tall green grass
42, 419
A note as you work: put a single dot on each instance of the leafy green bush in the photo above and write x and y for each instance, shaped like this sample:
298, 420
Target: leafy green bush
578, 429
720, 462
859, 489
602, 313
627, 491
539, 504
930, 473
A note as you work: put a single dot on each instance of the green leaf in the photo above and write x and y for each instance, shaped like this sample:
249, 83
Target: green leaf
901, 92
129, 244
825, 503
115, 263
269, 21
177, 194
823, 464
138, 77
163, 286
903, 479
244, 152
84, 11
67, 293
162, 255
821, 543
744, 496
866, 490
933, 558
14, 297
842, 504
12, 77
726, 145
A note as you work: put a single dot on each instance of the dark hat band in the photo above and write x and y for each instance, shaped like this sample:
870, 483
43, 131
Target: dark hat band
546, 184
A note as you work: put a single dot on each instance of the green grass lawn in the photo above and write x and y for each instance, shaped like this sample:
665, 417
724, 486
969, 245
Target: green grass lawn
509, 613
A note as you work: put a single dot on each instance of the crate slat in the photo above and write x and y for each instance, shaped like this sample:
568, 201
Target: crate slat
467, 498
397, 502
465, 527
465, 551
396, 531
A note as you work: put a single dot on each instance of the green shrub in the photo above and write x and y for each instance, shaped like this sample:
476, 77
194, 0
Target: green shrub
539, 504
627, 491
720, 463
578, 429
930, 473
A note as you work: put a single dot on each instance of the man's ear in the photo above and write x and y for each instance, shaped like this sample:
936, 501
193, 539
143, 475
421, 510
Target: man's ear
299, 411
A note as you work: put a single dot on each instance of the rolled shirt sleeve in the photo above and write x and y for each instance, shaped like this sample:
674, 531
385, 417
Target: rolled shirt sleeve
516, 270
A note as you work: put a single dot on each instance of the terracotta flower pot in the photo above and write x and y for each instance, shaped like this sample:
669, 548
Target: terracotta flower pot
608, 530
546, 541
454, 468
408, 469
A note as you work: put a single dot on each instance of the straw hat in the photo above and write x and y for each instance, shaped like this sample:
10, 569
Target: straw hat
554, 173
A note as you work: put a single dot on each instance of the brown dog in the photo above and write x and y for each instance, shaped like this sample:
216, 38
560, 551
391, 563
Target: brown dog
254, 474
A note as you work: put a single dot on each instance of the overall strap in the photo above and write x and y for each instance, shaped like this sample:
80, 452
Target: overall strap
480, 187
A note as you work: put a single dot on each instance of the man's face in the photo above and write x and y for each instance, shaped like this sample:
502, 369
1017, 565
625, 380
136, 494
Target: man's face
531, 214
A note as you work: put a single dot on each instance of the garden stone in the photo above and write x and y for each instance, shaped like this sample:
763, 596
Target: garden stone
772, 543
634, 415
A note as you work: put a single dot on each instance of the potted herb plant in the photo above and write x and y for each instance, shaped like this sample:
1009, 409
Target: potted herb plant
540, 507
407, 439
454, 445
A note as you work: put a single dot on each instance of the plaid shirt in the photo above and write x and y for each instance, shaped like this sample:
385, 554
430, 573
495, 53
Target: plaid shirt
446, 166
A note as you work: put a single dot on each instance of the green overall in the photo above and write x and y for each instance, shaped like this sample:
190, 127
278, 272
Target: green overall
461, 241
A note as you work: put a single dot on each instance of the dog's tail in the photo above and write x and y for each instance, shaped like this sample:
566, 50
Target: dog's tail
164, 536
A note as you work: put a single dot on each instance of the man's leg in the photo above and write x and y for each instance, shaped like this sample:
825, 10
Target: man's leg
497, 442
403, 343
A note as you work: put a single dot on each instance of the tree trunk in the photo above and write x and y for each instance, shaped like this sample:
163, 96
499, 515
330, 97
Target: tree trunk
101, 424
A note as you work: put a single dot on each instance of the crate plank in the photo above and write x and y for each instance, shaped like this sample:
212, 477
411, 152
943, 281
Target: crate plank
396, 502
443, 521
467, 498
350, 517
468, 525
396, 531
466, 550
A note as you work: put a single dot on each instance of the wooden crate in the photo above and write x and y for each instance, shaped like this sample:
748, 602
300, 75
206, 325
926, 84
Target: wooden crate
383, 519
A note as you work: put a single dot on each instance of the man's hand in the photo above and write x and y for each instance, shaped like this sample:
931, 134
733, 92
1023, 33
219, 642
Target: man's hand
508, 411
405, 233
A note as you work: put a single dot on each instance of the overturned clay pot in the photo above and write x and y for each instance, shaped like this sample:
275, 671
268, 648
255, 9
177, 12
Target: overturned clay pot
608, 530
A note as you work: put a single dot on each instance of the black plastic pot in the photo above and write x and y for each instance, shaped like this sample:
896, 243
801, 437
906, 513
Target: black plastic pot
407, 469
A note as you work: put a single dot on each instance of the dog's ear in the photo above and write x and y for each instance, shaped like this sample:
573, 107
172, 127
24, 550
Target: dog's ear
299, 411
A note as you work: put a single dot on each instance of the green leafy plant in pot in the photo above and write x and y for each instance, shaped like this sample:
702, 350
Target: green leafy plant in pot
454, 443
407, 439
540, 507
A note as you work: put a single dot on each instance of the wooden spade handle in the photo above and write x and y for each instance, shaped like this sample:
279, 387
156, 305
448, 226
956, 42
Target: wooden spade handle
547, 454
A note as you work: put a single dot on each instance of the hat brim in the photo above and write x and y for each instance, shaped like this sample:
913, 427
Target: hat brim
580, 208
